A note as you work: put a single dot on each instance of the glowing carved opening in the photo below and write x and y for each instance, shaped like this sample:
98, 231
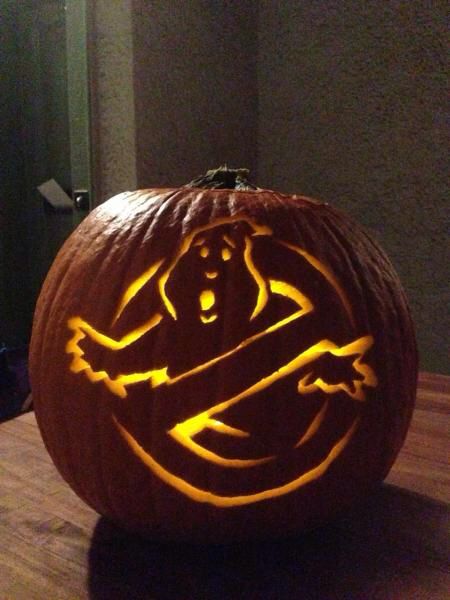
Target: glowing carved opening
314, 426
327, 273
355, 388
201, 495
193, 240
207, 299
134, 288
155, 377
116, 386
226, 254
261, 301
185, 432
208, 318
229, 241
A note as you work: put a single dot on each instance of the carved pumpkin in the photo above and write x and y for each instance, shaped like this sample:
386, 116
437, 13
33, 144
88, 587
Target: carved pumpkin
219, 361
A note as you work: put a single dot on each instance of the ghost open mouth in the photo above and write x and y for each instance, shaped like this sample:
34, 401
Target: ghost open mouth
207, 301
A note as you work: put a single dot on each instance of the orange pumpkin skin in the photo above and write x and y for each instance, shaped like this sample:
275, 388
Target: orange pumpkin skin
216, 364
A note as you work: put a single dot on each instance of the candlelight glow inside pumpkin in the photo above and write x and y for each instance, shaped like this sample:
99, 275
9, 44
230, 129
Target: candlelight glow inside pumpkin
359, 373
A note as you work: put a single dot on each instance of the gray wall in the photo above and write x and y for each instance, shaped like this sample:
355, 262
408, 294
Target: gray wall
195, 84
340, 100
352, 109
112, 92
174, 90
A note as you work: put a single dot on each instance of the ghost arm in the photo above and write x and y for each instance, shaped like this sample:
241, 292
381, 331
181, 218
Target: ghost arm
83, 331
346, 357
339, 369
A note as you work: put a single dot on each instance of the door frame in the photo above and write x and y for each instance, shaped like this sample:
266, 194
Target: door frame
79, 43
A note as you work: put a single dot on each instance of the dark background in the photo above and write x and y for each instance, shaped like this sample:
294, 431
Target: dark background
345, 101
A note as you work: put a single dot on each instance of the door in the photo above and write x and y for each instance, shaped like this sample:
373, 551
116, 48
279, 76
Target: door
46, 136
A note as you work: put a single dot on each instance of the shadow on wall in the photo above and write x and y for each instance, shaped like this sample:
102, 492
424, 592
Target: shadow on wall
377, 551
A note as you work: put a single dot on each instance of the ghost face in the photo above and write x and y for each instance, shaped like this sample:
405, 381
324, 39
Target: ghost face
208, 274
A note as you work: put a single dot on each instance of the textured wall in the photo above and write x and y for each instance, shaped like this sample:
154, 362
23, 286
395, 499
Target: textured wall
338, 99
114, 136
195, 88
352, 109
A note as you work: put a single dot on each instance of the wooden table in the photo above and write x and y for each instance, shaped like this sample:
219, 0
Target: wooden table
395, 546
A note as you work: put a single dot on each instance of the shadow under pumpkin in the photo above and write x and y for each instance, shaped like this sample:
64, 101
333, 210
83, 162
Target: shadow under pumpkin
363, 554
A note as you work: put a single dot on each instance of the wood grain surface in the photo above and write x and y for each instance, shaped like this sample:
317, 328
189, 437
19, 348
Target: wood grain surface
394, 546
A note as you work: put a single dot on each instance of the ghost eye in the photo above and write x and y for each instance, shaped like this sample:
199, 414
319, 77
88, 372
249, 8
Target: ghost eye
226, 254
204, 251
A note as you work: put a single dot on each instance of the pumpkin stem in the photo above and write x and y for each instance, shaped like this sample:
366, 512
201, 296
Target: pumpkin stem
223, 178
